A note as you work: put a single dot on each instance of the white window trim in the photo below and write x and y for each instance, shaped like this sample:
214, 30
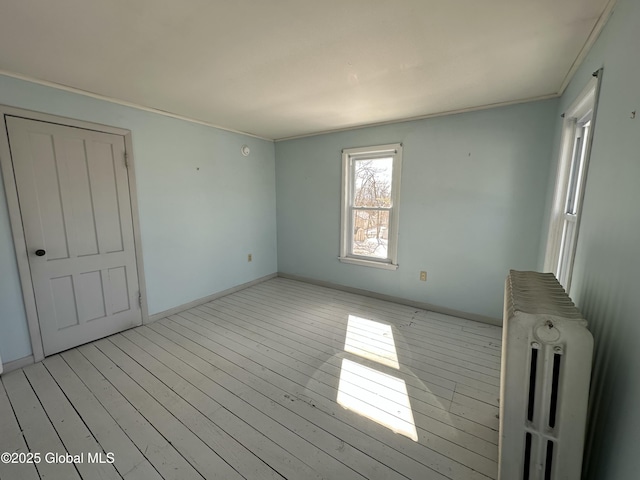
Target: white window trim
584, 105
390, 263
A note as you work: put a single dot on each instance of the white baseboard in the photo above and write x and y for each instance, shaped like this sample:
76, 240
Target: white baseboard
208, 298
16, 364
28, 360
391, 298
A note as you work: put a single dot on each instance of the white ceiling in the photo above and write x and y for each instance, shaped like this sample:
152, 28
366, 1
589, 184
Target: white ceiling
284, 68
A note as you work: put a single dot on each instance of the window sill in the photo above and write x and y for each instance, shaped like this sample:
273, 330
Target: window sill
368, 263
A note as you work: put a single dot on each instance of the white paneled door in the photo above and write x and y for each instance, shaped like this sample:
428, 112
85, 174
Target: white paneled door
73, 190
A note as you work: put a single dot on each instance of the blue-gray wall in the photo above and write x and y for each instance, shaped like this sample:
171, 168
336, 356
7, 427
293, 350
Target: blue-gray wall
203, 206
471, 205
606, 280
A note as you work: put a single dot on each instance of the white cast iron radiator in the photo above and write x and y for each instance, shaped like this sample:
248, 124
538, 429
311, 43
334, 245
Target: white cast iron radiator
544, 388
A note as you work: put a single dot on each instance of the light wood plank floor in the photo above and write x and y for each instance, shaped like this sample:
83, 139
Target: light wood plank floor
280, 380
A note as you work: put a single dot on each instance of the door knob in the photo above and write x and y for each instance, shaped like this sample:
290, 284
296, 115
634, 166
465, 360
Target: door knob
40, 253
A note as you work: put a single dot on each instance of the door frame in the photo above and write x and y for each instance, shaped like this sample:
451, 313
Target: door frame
15, 216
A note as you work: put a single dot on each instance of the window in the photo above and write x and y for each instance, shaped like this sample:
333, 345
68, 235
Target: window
570, 213
370, 194
570, 183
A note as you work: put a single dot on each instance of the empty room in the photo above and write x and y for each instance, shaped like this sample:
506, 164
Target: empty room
319, 240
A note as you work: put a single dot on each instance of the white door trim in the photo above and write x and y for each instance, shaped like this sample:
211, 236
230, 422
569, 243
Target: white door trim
15, 216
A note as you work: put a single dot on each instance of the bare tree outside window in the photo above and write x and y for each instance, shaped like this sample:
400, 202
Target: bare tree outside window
371, 206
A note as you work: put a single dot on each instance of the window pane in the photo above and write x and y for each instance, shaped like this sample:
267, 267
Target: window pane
372, 182
370, 233
579, 182
566, 251
577, 168
573, 176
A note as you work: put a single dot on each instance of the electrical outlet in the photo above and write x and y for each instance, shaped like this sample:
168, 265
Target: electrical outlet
249, 257
423, 276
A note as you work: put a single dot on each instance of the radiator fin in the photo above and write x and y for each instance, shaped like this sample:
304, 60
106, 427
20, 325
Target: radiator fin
527, 457
553, 403
533, 370
548, 463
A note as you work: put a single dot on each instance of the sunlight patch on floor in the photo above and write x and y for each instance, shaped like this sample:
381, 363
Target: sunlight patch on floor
371, 393
376, 396
372, 340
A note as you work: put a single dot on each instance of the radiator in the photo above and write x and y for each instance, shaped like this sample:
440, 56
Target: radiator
544, 389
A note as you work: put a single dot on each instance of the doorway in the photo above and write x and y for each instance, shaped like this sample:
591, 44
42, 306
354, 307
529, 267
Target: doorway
75, 229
